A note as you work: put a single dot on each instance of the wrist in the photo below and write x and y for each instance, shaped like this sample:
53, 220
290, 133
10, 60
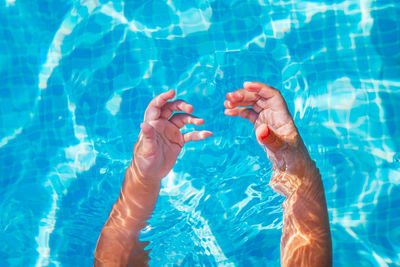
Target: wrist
292, 158
147, 181
287, 183
293, 168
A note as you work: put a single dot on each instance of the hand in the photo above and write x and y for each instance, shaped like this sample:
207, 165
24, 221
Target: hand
305, 230
160, 140
274, 126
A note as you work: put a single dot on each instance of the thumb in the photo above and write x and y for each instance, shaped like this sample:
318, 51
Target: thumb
148, 131
265, 136
147, 139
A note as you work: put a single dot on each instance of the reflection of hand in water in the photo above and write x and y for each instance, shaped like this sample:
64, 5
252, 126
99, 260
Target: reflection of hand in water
306, 239
155, 153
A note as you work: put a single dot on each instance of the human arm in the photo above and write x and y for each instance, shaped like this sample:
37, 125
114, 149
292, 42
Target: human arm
306, 239
159, 144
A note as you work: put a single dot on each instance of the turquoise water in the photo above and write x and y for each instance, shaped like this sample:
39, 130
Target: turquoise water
76, 76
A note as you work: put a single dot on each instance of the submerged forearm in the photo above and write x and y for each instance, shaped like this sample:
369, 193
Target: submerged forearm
118, 243
159, 144
306, 239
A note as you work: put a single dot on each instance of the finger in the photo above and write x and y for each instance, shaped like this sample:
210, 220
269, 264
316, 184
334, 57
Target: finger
176, 105
196, 135
181, 119
270, 97
268, 138
246, 113
153, 110
262, 89
242, 96
246, 98
256, 106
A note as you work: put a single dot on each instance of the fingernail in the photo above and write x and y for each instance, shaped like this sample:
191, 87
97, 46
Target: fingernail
264, 135
247, 83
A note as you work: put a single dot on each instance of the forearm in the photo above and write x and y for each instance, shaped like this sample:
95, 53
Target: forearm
159, 144
119, 242
306, 239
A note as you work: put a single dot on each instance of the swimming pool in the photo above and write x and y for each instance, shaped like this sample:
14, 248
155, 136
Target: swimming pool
77, 75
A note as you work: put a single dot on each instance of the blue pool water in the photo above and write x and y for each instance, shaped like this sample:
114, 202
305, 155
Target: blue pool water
75, 77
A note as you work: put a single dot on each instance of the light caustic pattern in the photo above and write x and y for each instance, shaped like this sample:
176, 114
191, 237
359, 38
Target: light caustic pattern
76, 77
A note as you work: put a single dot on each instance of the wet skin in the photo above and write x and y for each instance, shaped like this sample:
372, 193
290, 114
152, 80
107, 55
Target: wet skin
306, 237
159, 144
